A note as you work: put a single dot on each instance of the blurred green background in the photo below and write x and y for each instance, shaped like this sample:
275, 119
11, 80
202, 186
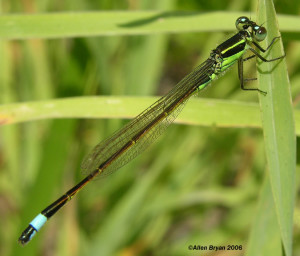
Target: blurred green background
194, 186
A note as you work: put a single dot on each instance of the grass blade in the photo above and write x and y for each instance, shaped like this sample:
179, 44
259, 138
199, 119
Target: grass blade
112, 23
265, 235
278, 126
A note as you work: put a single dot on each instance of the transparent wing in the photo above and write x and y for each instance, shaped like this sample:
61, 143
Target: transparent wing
117, 150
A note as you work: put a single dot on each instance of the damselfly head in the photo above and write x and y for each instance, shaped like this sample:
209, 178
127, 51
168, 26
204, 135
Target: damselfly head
259, 33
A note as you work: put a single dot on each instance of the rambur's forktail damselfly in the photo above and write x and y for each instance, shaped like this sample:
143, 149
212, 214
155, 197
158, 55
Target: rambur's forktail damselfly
125, 144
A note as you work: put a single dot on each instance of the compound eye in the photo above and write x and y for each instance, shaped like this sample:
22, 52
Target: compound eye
242, 23
260, 33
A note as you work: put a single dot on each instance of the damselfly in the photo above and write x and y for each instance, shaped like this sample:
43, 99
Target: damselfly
125, 144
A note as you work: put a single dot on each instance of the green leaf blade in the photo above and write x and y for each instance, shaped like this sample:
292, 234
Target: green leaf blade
278, 126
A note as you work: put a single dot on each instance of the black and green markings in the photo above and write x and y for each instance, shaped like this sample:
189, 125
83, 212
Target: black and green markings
125, 144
